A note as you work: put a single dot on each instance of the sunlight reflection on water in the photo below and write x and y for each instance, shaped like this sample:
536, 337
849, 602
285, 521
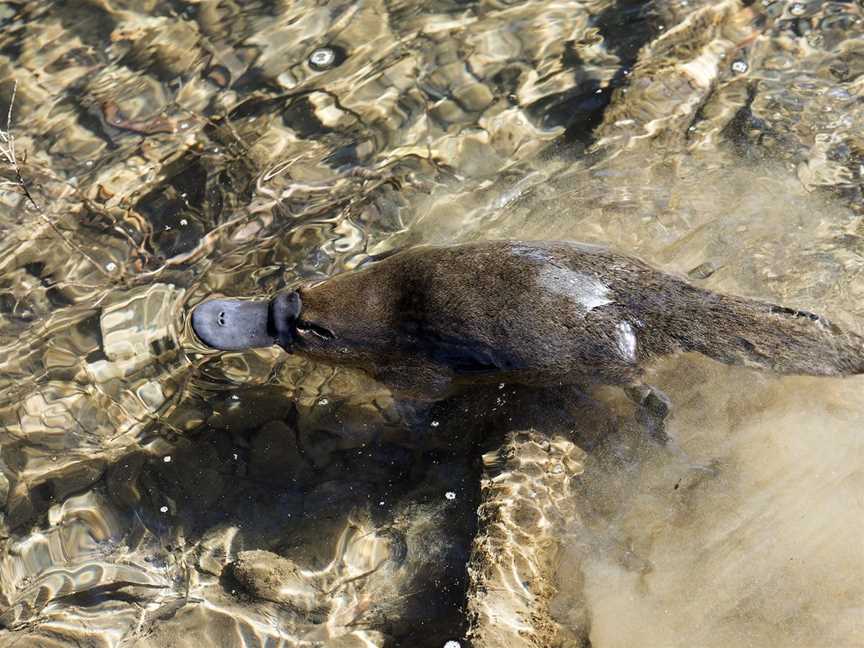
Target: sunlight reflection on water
157, 494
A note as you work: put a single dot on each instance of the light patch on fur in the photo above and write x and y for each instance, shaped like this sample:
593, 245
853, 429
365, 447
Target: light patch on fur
626, 341
584, 290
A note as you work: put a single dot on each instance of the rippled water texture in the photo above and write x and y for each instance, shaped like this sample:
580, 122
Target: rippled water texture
155, 494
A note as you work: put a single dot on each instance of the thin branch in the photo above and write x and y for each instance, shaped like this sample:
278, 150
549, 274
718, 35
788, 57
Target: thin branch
7, 151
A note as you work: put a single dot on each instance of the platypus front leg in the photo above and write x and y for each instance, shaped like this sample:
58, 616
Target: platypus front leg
652, 409
420, 381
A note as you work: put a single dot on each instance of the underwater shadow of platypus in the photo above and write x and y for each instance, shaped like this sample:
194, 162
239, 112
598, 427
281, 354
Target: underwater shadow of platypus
431, 319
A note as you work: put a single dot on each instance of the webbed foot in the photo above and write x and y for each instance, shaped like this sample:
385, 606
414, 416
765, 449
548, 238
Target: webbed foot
653, 408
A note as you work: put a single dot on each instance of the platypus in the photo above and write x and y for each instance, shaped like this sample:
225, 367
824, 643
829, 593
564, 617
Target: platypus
430, 319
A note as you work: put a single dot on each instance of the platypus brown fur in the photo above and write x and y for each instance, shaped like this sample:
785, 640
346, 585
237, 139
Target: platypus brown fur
429, 319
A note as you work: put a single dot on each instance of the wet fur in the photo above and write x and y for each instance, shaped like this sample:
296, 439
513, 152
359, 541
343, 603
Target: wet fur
429, 319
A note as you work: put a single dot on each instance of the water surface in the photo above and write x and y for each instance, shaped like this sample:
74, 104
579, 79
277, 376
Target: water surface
174, 151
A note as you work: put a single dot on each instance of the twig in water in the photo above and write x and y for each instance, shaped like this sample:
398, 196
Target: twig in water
7, 153
8, 157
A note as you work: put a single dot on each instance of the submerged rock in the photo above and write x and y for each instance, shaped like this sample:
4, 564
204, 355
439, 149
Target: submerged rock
271, 577
526, 500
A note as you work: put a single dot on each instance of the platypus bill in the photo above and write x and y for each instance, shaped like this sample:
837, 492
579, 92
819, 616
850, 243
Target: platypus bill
429, 319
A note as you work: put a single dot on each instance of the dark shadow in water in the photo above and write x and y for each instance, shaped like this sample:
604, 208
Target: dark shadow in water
289, 489
290, 485
626, 26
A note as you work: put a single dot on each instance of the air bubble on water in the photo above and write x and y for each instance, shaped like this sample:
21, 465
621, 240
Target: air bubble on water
110, 266
323, 401
184, 222
167, 458
322, 58
452, 644
798, 9
435, 423
163, 509
450, 495
739, 67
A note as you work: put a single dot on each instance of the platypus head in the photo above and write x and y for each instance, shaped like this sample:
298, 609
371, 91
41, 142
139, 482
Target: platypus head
346, 320
319, 327
343, 320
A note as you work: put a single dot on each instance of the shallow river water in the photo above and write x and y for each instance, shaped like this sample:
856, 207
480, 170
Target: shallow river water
156, 494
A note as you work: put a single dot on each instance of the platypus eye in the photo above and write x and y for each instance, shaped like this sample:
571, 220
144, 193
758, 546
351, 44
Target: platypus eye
306, 328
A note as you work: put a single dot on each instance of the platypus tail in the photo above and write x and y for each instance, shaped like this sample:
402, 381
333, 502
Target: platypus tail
741, 331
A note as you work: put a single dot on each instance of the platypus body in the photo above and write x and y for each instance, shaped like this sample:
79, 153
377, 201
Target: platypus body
429, 319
